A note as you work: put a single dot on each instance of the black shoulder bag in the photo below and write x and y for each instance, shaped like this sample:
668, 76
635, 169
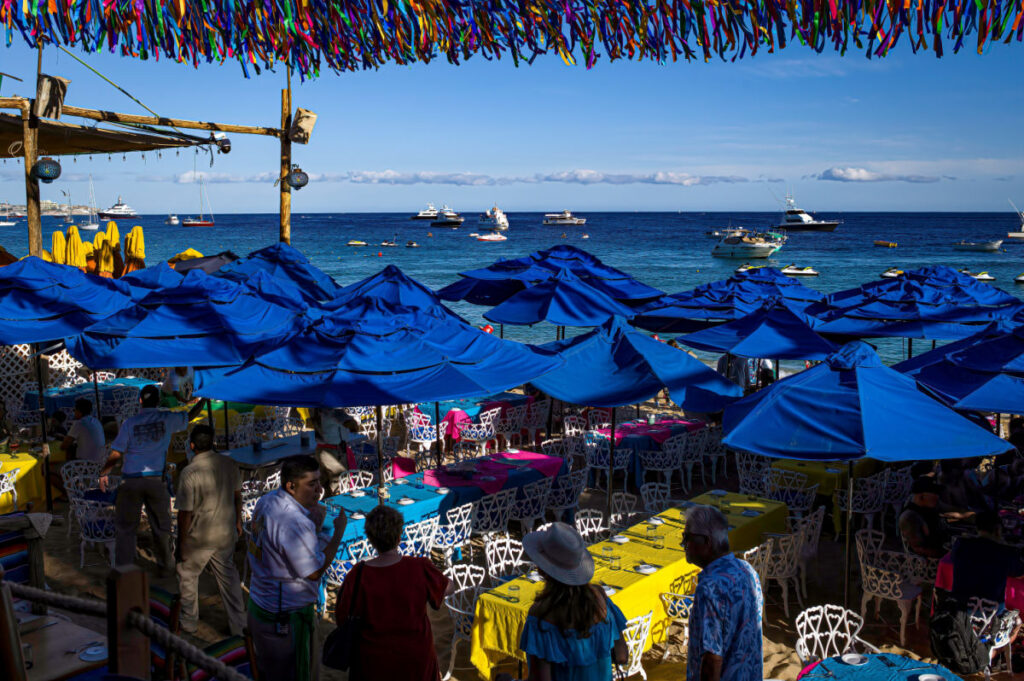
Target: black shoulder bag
341, 648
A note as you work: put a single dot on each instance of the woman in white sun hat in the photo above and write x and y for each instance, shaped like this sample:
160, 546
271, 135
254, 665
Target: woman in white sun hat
573, 631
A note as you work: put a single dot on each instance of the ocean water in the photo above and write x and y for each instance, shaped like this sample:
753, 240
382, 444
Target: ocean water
669, 251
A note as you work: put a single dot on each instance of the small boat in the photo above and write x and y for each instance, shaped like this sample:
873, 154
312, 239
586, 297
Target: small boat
563, 218
892, 273
748, 245
746, 267
495, 219
357, 242
798, 220
982, 246
494, 236
980, 276
794, 271
172, 220
1020, 215
1019, 279
446, 217
885, 244
428, 213
389, 243
411, 244
200, 221
5, 216
474, 234
93, 223
585, 236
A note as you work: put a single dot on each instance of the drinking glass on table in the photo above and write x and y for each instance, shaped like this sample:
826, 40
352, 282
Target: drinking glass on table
614, 562
652, 532
607, 552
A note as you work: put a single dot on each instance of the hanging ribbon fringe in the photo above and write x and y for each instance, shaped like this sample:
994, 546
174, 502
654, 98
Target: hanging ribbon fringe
348, 35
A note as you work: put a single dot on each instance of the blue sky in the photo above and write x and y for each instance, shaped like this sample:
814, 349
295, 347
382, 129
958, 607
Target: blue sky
908, 132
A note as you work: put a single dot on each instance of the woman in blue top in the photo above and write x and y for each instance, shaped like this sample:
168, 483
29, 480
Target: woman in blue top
573, 631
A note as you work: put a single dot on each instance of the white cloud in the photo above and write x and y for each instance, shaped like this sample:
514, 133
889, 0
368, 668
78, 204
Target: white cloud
849, 174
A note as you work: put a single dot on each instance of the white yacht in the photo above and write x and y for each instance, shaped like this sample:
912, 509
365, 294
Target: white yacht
446, 217
1020, 214
980, 246
428, 213
92, 224
493, 236
747, 245
494, 219
798, 220
118, 210
6, 216
563, 218
172, 219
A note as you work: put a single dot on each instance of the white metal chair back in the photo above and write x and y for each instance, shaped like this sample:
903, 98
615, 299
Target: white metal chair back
884, 576
418, 537
505, 559
753, 473
597, 461
599, 418
481, 433
531, 507
678, 604
455, 532
791, 488
489, 417
81, 470
8, 486
510, 424
573, 425
868, 496
664, 461
559, 448
810, 528
466, 575
827, 631
353, 480
96, 525
357, 551
273, 481
624, 507
758, 558
783, 565
537, 418
461, 605
420, 430
493, 511
590, 525
243, 430
565, 492
655, 496
897, 488
635, 635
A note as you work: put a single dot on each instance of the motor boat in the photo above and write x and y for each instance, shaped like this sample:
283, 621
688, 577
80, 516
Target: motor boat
389, 243
493, 236
885, 244
494, 219
982, 246
428, 213
1019, 279
118, 210
795, 271
172, 220
1020, 214
585, 236
748, 245
411, 244
357, 242
6, 215
980, 276
892, 273
746, 267
446, 217
563, 218
796, 219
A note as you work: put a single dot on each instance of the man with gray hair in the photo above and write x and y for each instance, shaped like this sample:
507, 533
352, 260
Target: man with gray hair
725, 622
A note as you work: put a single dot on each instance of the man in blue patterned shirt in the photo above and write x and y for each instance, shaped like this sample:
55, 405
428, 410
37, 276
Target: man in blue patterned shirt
725, 622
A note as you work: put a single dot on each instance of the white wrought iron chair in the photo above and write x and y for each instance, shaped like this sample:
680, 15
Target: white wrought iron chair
509, 426
810, 527
96, 526
418, 537
783, 566
573, 425
868, 497
758, 558
531, 507
565, 493
897, 490
505, 559
636, 633
665, 462
353, 480
465, 575
78, 476
8, 486
624, 507
537, 419
597, 461
493, 511
690, 448
678, 606
590, 525
715, 451
420, 431
656, 496
482, 433
791, 488
752, 471
559, 448
357, 551
599, 417
455, 532
461, 605
825, 631
994, 628
884, 575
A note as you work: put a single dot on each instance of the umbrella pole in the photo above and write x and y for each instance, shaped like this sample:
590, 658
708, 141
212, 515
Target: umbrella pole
551, 415
45, 454
380, 459
227, 431
209, 414
96, 394
849, 527
611, 466
501, 331
437, 434
910, 348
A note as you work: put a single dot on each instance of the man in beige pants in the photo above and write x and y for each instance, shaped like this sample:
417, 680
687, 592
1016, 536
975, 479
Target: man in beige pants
209, 524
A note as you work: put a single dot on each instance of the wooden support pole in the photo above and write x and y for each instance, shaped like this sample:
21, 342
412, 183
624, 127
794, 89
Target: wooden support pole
98, 115
36, 559
286, 162
29, 155
12, 659
127, 590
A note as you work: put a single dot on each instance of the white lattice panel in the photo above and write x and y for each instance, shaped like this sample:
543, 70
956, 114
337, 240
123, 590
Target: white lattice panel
15, 371
63, 369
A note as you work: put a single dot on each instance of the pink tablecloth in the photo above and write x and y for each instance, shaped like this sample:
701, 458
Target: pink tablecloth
456, 419
490, 473
1014, 585
659, 432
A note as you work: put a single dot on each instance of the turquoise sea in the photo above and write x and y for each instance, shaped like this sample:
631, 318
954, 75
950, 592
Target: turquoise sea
667, 250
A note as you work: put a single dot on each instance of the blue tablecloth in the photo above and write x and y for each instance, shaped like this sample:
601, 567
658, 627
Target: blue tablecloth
894, 668
58, 398
270, 452
472, 406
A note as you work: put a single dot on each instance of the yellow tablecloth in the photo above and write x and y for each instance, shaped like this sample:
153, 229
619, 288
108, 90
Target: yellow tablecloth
29, 483
828, 476
498, 624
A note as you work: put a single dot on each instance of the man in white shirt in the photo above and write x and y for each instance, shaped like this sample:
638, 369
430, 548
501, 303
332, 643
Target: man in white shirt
336, 431
177, 387
85, 439
141, 447
287, 557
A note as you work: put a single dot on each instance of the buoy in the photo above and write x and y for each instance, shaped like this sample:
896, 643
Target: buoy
379, 254
487, 328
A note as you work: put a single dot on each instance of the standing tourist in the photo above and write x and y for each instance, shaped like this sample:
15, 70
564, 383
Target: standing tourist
141, 447
209, 524
287, 556
85, 440
177, 387
725, 622
573, 631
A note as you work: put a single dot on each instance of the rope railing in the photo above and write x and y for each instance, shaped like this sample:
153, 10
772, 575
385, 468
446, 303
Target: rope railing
164, 637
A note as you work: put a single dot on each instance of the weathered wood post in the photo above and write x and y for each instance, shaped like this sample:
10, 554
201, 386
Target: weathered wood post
127, 590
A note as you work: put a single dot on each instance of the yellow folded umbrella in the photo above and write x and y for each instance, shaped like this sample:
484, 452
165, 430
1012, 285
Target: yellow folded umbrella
138, 244
113, 234
58, 247
76, 251
105, 260
97, 241
187, 254
46, 256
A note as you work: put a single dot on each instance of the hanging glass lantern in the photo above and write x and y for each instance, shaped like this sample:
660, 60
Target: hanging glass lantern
297, 178
46, 170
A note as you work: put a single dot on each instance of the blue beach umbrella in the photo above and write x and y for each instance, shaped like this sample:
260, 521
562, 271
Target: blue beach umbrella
563, 300
774, 331
281, 292
203, 321
151, 278
281, 261
495, 284
392, 286
616, 283
935, 356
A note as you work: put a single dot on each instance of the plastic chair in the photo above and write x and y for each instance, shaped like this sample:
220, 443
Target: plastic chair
7, 485
590, 525
636, 633
993, 628
505, 559
531, 507
455, 532
825, 631
565, 493
655, 496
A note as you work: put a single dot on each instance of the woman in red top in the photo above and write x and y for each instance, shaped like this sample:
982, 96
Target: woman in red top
395, 638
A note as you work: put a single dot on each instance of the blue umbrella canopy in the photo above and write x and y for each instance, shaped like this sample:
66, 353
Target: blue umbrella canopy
281, 261
614, 365
280, 292
851, 406
935, 284
203, 321
564, 300
392, 286
41, 301
912, 365
151, 278
773, 331
391, 356
495, 284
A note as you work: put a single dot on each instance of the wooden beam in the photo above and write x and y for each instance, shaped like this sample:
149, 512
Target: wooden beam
98, 115
14, 103
128, 648
286, 164
35, 225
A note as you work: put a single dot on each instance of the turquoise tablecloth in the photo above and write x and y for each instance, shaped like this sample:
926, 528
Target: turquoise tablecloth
58, 398
885, 667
